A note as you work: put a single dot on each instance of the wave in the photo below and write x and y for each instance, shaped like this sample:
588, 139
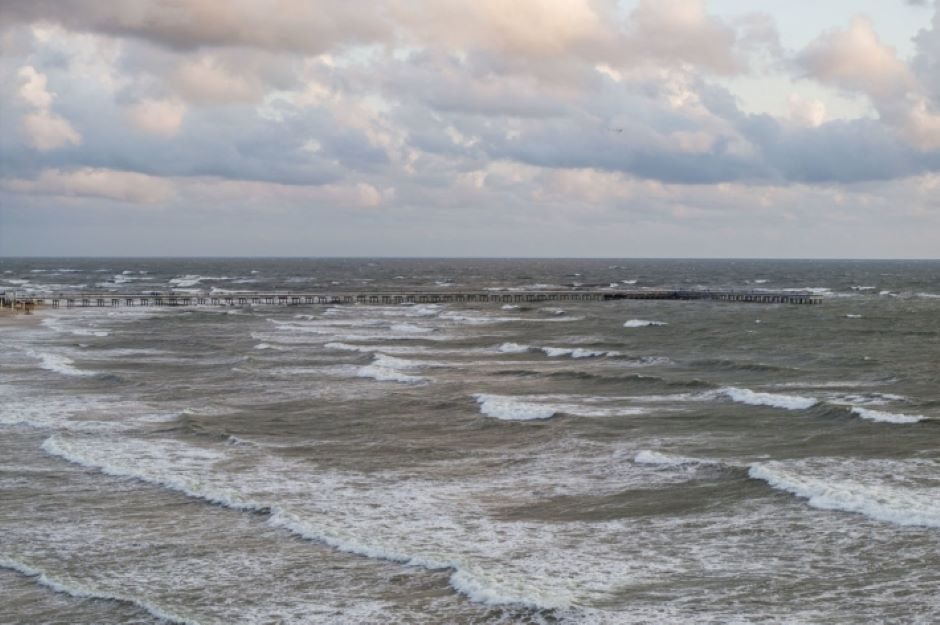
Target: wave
541, 407
647, 456
747, 396
60, 364
368, 349
472, 584
575, 352
193, 279
512, 348
509, 409
886, 417
642, 323
879, 500
55, 325
466, 578
410, 328
388, 369
555, 352
75, 589
723, 363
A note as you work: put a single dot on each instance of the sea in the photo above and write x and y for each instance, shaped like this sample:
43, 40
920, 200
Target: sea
609, 462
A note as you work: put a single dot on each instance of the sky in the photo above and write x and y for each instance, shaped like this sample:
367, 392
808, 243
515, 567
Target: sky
449, 128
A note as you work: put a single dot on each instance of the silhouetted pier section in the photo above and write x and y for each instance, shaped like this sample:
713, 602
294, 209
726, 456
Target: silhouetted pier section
86, 300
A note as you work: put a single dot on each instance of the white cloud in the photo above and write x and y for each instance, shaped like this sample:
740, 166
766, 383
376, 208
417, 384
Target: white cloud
44, 129
33, 88
857, 60
680, 31
806, 111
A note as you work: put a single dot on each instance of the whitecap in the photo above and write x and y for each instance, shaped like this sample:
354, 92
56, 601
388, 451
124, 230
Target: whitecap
871, 488
59, 364
512, 348
576, 352
642, 323
647, 456
886, 417
747, 396
510, 409
389, 374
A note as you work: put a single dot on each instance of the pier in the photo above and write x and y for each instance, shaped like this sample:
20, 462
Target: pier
113, 299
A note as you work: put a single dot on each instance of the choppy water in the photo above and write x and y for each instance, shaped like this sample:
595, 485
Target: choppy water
616, 462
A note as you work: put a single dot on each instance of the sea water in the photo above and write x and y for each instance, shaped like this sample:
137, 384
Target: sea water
565, 462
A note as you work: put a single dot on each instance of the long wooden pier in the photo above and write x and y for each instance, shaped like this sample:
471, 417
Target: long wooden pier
86, 300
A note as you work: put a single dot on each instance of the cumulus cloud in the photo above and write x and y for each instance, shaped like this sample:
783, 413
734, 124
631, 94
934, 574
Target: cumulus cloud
680, 31
44, 129
857, 60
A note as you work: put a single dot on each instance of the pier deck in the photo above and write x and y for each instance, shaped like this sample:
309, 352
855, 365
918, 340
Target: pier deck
85, 300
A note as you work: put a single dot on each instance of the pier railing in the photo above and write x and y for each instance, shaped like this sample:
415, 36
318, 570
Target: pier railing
113, 299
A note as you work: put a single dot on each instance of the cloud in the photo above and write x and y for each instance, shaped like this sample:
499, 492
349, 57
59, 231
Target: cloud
122, 186
207, 80
680, 31
289, 25
532, 35
44, 129
806, 112
458, 119
158, 117
857, 60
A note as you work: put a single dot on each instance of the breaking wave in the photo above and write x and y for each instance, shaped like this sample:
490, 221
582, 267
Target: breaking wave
643, 323
874, 497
